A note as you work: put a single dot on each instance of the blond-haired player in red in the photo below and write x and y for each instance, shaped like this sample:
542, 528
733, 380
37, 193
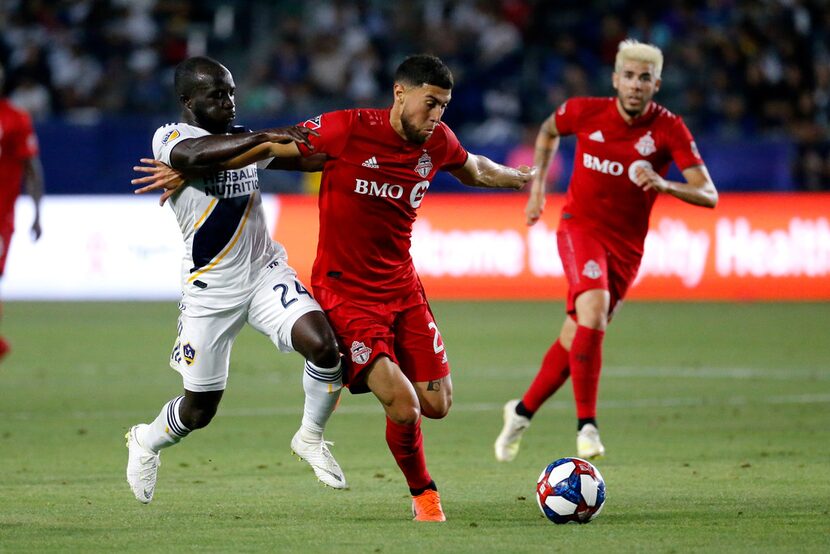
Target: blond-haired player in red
624, 147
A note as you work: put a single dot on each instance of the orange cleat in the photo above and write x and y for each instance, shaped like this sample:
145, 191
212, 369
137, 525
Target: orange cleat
427, 507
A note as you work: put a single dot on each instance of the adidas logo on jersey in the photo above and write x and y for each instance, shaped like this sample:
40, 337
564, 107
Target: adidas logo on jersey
371, 163
597, 136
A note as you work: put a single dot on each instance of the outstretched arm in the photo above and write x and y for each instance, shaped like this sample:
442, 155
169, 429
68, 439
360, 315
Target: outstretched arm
34, 187
193, 157
698, 188
214, 152
309, 164
547, 143
480, 171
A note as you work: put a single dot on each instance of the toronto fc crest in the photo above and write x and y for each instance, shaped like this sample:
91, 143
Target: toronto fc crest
645, 145
592, 270
424, 166
360, 352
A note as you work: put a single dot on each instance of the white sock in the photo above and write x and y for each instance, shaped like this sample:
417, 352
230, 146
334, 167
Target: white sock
322, 386
166, 430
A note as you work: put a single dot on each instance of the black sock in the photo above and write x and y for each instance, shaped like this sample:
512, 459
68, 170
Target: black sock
430, 487
585, 421
522, 410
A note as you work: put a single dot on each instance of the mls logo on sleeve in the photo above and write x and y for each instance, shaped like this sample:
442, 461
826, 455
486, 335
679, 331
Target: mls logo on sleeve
171, 135
189, 353
314, 122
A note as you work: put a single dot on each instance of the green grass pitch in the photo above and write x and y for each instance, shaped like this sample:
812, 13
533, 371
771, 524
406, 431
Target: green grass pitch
715, 418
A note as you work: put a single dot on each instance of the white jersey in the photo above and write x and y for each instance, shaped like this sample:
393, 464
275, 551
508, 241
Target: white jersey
227, 244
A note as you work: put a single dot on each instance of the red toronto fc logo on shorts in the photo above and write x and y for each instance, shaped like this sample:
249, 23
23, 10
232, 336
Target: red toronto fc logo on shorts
591, 270
360, 352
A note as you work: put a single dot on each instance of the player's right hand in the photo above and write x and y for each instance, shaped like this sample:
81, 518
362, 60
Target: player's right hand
296, 133
535, 207
160, 177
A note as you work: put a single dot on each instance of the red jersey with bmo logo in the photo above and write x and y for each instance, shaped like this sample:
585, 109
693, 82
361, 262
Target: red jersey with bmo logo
373, 183
18, 143
602, 194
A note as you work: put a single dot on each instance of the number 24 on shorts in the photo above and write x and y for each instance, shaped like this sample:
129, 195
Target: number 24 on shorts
282, 288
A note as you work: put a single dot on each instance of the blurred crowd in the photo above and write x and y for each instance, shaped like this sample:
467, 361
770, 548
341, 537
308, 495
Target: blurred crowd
734, 69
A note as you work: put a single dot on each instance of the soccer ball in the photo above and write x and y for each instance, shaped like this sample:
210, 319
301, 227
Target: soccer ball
570, 489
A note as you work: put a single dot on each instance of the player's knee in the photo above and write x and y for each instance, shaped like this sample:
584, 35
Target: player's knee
594, 320
313, 337
437, 410
404, 415
197, 418
325, 354
436, 406
321, 350
593, 316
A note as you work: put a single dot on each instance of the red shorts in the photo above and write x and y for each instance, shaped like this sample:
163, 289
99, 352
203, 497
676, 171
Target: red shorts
5, 241
589, 264
403, 330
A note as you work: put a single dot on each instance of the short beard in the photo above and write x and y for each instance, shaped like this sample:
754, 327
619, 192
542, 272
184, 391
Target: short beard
632, 113
411, 132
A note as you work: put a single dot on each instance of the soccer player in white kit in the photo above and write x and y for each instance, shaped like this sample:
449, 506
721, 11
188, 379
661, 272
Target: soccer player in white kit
232, 273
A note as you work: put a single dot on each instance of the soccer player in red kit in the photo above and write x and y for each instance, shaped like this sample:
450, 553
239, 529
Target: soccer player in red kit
19, 161
624, 147
377, 166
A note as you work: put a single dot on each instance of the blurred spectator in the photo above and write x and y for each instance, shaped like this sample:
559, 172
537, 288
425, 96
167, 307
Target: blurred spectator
32, 96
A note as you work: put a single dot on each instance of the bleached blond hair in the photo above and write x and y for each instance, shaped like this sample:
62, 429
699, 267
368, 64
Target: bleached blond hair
633, 49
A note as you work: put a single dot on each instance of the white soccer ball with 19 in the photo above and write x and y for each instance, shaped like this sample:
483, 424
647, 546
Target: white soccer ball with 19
570, 489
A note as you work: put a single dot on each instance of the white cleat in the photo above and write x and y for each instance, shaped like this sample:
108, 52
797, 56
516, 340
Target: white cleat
142, 468
588, 445
507, 443
319, 457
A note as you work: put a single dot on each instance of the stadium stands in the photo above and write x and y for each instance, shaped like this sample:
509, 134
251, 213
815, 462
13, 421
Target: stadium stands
737, 71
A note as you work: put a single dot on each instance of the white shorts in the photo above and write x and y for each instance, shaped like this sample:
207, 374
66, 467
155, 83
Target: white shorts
202, 349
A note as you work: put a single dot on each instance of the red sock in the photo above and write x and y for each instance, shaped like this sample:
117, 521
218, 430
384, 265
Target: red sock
407, 445
585, 363
552, 374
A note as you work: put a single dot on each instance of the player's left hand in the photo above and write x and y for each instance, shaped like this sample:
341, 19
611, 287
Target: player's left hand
161, 177
648, 179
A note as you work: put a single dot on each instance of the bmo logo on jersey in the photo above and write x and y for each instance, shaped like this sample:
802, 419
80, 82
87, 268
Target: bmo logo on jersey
391, 190
609, 167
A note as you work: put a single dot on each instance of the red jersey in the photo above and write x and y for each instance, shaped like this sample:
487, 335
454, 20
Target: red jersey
373, 183
18, 143
602, 193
